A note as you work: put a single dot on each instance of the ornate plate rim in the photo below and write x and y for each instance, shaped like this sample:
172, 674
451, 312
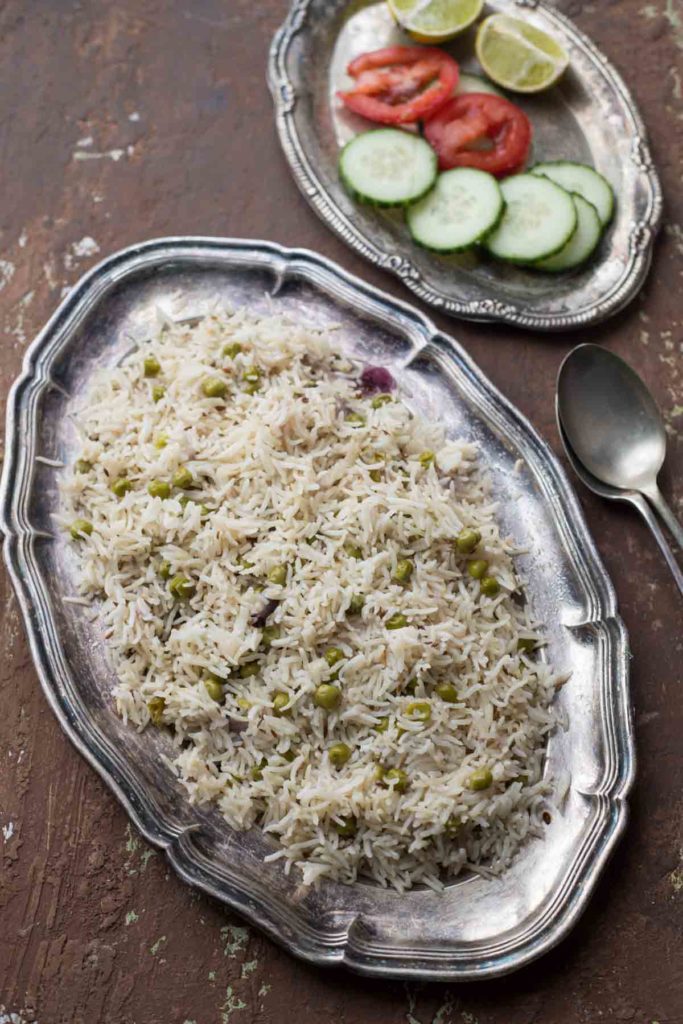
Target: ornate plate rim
642, 236
353, 949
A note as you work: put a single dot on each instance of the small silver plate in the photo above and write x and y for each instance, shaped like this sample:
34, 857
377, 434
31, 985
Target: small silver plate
589, 117
477, 928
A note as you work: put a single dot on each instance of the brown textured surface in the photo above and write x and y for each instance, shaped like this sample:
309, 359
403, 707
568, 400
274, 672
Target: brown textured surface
93, 927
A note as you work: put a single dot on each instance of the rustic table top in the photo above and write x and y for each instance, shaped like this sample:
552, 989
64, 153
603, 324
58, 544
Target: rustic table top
122, 120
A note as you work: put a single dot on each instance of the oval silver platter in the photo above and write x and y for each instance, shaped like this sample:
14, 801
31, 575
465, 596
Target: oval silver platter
589, 117
476, 928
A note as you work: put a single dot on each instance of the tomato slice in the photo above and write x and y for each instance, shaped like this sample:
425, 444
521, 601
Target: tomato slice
401, 84
477, 119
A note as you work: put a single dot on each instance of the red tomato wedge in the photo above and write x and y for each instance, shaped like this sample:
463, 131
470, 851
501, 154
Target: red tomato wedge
401, 84
478, 119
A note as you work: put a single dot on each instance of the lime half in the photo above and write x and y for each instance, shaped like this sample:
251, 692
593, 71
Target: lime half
518, 55
434, 21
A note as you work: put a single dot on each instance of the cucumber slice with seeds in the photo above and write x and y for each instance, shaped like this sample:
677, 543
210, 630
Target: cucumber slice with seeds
539, 219
388, 167
583, 180
581, 245
461, 209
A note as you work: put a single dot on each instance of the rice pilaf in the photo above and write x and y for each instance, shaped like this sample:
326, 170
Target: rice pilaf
305, 582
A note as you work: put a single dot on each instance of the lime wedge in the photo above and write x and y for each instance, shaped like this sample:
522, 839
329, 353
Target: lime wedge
518, 55
434, 21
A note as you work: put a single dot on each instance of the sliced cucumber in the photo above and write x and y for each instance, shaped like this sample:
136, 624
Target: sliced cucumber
583, 180
388, 167
539, 220
461, 209
582, 243
475, 83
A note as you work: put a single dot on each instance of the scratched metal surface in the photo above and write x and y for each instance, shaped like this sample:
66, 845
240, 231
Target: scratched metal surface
122, 121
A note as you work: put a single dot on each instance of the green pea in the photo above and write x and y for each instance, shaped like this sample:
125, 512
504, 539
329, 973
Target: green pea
243, 704
426, 458
205, 511
252, 375
356, 604
466, 541
165, 570
419, 711
159, 489
184, 500
447, 692
121, 486
380, 400
397, 778
410, 687
151, 366
383, 725
280, 703
278, 575
161, 441
526, 644
291, 754
477, 568
183, 478
404, 570
232, 350
252, 388
339, 754
346, 827
375, 475
481, 778
156, 707
244, 563
355, 419
396, 621
214, 387
213, 688
353, 550
248, 669
257, 771
490, 586
81, 528
181, 587
83, 466
269, 634
158, 392
332, 655
453, 824
327, 696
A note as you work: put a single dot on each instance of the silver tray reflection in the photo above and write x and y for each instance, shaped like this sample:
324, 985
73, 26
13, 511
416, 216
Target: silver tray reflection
590, 116
477, 928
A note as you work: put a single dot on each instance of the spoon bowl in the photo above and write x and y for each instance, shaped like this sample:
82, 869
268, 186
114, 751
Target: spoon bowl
612, 425
611, 418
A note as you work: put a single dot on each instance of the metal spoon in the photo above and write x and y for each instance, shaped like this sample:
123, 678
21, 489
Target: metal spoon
632, 497
613, 425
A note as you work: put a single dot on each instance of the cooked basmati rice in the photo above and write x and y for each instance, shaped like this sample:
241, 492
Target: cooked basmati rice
295, 466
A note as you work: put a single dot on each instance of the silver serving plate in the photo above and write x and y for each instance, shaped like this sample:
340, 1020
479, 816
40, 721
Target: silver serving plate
477, 928
590, 117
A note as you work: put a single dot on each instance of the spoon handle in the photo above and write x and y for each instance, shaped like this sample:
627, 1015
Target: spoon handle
654, 496
656, 530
